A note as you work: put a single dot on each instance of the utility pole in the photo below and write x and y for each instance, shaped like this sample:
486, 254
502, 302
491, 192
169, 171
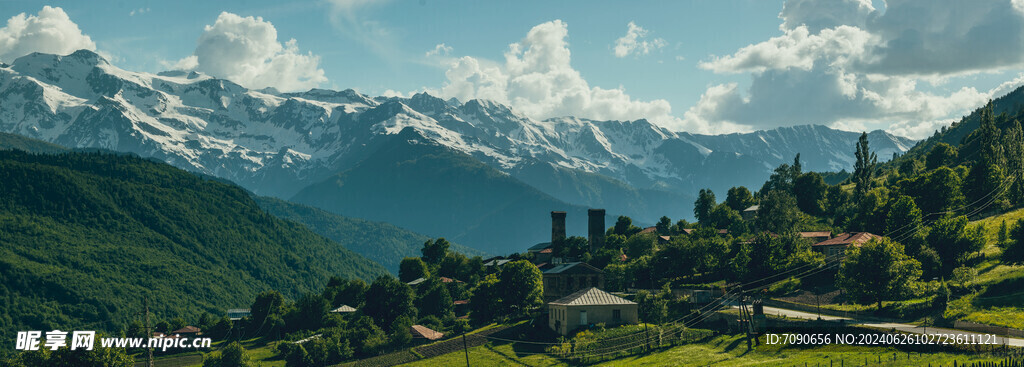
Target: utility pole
149, 334
465, 348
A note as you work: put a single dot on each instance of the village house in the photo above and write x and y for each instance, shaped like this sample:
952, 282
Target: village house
836, 247
186, 332
587, 307
750, 213
343, 309
236, 314
564, 279
816, 237
423, 332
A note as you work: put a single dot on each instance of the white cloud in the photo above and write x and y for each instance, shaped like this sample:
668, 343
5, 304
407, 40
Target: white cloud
50, 31
797, 48
246, 51
634, 42
138, 11
538, 79
817, 15
439, 50
845, 64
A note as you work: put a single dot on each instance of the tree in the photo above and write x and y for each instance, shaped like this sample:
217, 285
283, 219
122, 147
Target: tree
401, 333
941, 155
952, 240
266, 304
652, 308
797, 167
810, 189
310, 311
1004, 234
778, 212
904, 220
664, 226
864, 167
485, 304
904, 216
723, 217
412, 268
1013, 253
705, 202
937, 191
521, 286
233, 355
878, 271
573, 247
739, 198
387, 300
624, 226
346, 292
434, 251
434, 299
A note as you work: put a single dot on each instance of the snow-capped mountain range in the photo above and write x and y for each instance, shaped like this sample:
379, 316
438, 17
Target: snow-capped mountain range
277, 143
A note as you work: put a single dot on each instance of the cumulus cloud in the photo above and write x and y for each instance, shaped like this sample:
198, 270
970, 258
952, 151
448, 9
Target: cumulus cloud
439, 50
538, 79
635, 43
49, 31
848, 65
818, 15
246, 51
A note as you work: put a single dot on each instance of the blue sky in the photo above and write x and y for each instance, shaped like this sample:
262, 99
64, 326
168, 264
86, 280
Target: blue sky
700, 66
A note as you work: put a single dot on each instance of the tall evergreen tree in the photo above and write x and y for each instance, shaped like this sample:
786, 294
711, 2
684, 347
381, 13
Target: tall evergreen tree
864, 168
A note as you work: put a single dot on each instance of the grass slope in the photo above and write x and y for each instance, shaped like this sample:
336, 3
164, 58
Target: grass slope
725, 350
84, 237
381, 242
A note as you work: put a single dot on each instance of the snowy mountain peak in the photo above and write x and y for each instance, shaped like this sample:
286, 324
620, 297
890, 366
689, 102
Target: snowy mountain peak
275, 143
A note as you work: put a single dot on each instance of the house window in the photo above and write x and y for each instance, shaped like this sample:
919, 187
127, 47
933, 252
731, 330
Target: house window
616, 315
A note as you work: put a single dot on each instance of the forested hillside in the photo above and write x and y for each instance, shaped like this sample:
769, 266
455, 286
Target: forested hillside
85, 237
381, 242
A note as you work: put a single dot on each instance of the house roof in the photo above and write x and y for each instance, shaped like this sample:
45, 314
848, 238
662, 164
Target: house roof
690, 231
752, 208
420, 331
417, 281
573, 268
498, 262
344, 309
449, 280
547, 251
539, 246
649, 230
186, 330
665, 238
852, 238
591, 297
816, 234
461, 302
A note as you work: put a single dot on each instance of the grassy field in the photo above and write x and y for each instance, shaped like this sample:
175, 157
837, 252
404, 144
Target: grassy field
999, 299
720, 351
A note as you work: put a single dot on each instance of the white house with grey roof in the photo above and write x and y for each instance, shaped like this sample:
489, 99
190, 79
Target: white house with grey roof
590, 306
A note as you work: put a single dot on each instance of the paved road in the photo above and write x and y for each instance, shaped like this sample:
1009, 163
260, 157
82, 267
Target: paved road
1016, 342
